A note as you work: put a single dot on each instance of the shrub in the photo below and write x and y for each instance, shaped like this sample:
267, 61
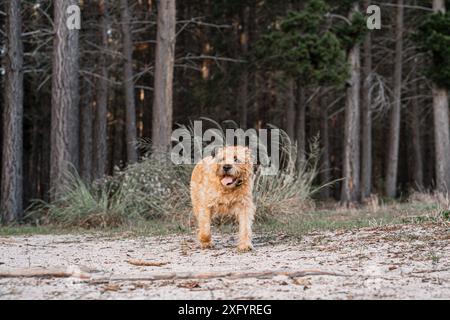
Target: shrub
159, 189
289, 191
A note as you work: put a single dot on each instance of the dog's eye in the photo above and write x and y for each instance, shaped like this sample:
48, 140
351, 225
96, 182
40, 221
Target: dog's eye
236, 159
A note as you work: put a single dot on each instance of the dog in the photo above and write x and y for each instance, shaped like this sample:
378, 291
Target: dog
222, 184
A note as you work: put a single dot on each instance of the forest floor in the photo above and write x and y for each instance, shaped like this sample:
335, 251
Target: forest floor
382, 261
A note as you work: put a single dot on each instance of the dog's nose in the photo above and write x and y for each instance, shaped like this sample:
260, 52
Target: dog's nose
227, 167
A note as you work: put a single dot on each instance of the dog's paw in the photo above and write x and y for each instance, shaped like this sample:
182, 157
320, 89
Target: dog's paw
206, 245
245, 247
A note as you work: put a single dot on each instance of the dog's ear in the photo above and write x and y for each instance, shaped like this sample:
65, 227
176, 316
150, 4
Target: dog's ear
215, 151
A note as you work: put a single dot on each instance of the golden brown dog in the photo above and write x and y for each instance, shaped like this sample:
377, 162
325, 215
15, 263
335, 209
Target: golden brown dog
223, 184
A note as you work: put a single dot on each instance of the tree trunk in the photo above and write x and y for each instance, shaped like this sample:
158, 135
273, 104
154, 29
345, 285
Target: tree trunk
31, 177
204, 39
290, 109
86, 118
164, 65
242, 100
366, 139
350, 192
12, 171
441, 126
131, 135
301, 127
394, 129
100, 149
416, 140
65, 97
116, 154
325, 149
441, 137
45, 161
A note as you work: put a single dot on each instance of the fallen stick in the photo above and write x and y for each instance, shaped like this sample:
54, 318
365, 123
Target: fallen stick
430, 271
38, 272
77, 273
213, 275
143, 263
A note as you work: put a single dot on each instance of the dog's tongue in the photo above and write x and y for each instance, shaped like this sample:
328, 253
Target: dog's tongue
227, 181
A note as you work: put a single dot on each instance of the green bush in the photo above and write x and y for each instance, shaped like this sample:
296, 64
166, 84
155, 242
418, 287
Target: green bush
146, 190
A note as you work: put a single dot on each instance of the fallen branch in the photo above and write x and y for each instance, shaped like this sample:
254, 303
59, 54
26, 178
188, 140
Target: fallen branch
431, 271
78, 273
143, 263
213, 275
63, 272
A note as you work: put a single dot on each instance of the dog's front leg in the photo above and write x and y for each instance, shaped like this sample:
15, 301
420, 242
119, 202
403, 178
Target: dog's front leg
204, 228
245, 214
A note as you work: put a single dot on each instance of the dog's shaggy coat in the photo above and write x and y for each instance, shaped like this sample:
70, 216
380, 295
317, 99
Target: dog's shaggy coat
223, 184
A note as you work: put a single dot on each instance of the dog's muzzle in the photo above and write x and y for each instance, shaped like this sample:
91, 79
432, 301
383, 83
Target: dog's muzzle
229, 181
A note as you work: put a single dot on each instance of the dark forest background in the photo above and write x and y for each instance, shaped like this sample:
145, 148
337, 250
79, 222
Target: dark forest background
377, 99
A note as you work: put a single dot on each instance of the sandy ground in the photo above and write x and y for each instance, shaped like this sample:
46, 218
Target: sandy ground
393, 262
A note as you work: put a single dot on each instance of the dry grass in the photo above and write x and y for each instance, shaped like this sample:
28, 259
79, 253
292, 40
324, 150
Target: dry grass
289, 192
437, 203
155, 188
155, 191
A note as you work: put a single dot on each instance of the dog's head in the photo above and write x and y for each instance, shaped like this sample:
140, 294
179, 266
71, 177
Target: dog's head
234, 166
